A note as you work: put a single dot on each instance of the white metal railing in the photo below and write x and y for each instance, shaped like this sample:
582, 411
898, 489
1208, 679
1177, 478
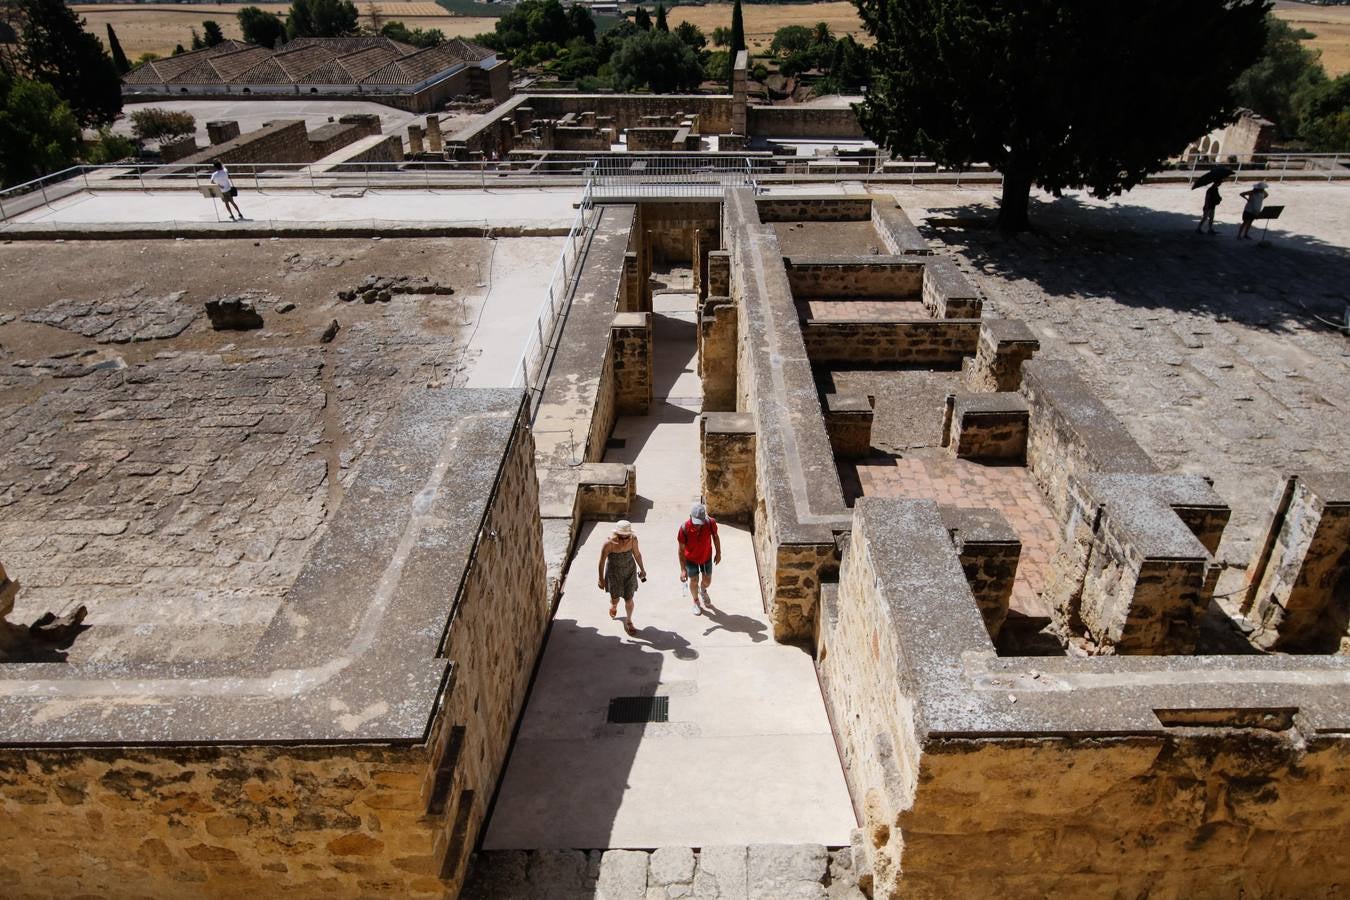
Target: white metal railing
642, 175
543, 339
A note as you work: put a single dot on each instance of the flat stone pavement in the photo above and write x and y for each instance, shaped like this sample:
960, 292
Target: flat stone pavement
747, 756
1206, 347
534, 207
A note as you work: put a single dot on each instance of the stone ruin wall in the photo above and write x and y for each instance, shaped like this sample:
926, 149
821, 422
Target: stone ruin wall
306, 821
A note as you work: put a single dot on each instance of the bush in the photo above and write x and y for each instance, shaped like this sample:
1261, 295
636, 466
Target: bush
109, 148
659, 60
161, 124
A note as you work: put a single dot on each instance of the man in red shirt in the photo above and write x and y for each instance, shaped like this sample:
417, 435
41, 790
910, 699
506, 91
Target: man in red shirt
699, 548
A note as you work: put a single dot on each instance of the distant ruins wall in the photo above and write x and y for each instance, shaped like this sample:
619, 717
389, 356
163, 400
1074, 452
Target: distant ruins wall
807, 122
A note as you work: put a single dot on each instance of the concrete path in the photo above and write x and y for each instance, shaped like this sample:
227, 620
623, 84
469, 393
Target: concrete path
747, 756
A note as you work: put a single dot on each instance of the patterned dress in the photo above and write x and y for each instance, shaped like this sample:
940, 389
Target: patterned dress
621, 579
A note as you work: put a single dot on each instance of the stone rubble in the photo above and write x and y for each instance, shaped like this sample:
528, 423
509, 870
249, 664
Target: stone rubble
233, 314
123, 319
382, 288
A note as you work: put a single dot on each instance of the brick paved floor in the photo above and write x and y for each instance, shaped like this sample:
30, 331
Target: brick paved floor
937, 475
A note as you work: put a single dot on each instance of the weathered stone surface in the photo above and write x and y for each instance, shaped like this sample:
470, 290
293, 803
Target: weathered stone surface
787, 871
722, 874
623, 876
129, 317
671, 865
233, 314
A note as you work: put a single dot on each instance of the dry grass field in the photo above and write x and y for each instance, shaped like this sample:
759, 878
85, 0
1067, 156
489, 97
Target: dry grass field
1331, 24
157, 27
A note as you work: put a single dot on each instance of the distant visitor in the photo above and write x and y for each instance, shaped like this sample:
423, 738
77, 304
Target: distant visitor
699, 549
1256, 199
221, 179
621, 569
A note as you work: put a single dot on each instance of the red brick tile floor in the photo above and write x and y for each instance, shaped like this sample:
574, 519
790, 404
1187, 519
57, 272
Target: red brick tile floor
934, 474
872, 310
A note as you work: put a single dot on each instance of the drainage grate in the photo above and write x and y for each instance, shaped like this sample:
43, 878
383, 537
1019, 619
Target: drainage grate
616, 443
631, 710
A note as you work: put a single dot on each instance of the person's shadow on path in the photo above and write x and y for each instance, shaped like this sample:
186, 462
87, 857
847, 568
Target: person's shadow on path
725, 621
665, 641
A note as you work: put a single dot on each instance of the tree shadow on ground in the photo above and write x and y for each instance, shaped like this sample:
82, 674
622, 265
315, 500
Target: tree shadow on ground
1148, 258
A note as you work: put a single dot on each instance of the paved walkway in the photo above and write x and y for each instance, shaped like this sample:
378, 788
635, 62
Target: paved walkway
747, 756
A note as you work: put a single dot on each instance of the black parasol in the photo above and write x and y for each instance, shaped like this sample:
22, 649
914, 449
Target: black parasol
1213, 176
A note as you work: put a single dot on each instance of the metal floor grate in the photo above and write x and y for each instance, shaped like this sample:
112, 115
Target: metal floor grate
638, 710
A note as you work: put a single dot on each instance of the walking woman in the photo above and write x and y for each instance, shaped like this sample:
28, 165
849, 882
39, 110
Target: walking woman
620, 570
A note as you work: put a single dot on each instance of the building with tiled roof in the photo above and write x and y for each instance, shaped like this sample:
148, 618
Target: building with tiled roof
365, 67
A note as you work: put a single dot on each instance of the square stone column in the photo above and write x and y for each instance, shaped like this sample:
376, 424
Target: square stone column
728, 449
414, 140
1298, 588
719, 273
739, 92
631, 345
434, 134
997, 365
717, 353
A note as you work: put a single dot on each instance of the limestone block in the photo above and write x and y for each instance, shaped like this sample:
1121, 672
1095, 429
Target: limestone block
670, 873
717, 353
221, 131
414, 140
1005, 344
989, 426
728, 450
631, 350
434, 134
719, 273
787, 871
1299, 583
848, 421
722, 874
623, 875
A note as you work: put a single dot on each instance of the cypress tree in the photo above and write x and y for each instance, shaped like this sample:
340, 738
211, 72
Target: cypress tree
115, 48
661, 18
737, 40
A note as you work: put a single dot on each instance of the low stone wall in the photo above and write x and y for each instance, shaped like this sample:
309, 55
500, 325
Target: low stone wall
880, 277
630, 110
332, 137
282, 141
1005, 344
848, 419
352, 754
1072, 433
717, 354
946, 292
814, 208
727, 440
942, 342
804, 122
989, 427
896, 230
799, 502
978, 776
989, 550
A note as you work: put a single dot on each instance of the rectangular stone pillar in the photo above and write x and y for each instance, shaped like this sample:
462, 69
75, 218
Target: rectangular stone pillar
989, 550
1131, 577
630, 290
717, 354
221, 131
990, 426
696, 263
719, 273
631, 345
414, 140
997, 365
728, 445
1298, 589
434, 134
848, 419
739, 92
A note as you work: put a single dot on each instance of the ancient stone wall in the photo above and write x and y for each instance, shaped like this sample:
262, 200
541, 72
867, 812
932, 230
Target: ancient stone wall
989, 426
804, 122
728, 448
817, 208
989, 550
1071, 433
918, 341
896, 230
946, 292
717, 354
332, 137
630, 110
388, 149
1005, 344
281, 141
675, 227
886, 278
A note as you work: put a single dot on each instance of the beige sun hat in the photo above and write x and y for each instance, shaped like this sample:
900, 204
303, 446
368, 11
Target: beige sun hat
623, 527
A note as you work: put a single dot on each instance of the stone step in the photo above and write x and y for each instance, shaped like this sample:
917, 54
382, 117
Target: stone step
754, 872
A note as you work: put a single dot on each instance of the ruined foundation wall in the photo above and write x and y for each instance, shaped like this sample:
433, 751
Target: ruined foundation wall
920, 341
804, 122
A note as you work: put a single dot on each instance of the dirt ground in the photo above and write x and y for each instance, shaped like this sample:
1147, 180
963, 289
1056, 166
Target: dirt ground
762, 20
1330, 24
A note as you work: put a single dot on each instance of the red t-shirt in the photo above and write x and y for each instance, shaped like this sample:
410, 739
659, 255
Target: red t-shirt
697, 540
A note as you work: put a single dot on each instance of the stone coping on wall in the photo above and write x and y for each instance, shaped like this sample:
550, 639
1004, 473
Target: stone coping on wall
1053, 388
807, 501
354, 654
961, 688
1143, 510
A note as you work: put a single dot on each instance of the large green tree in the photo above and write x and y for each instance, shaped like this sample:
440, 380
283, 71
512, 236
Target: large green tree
55, 48
211, 33
261, 27
38, 131
658, 60
1058, 93
1285, 69
322, 18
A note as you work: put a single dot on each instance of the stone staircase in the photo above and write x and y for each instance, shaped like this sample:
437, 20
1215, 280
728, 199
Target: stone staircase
755, 872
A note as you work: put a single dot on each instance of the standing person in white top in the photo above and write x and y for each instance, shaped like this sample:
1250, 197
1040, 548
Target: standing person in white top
221, 179
1256, 198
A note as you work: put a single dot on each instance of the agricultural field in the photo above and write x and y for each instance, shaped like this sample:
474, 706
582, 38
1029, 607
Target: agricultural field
1330, 24
156, 27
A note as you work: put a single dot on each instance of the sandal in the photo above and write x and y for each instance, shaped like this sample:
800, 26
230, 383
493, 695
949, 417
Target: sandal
614, 610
